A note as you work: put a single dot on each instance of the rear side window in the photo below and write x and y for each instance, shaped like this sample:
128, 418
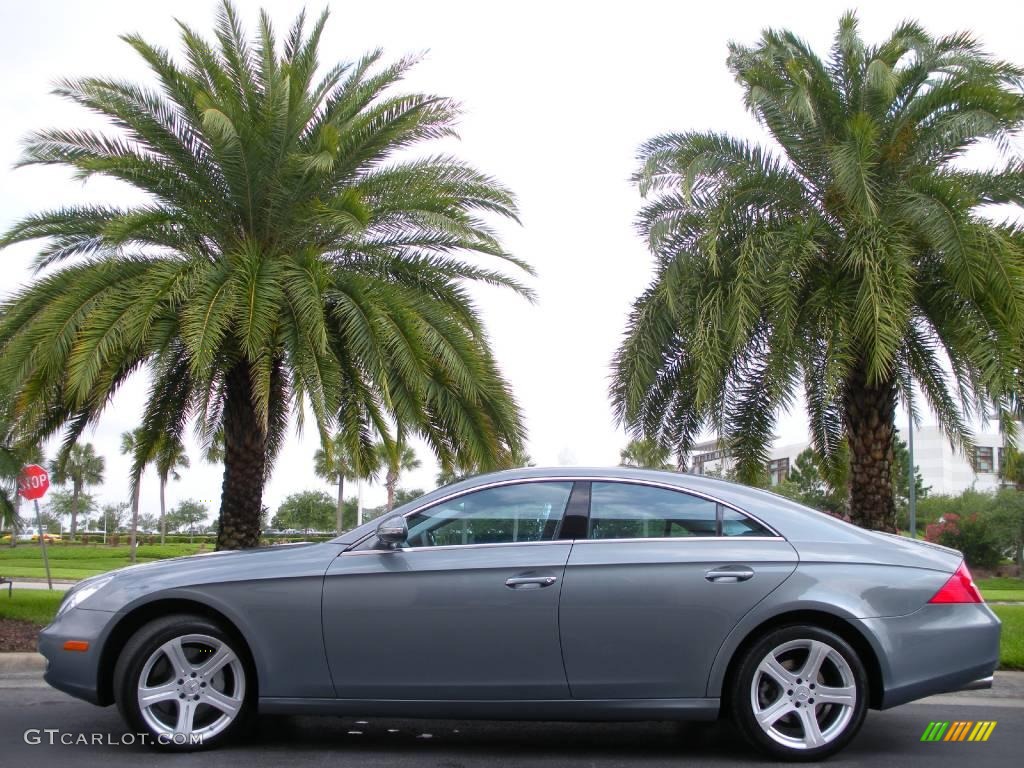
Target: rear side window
627, 511
630, 511
737, 524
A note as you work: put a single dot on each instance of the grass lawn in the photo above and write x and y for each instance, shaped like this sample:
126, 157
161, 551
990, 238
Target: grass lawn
35, 605
1002, 589
1011, 648
77, 561
1000, 582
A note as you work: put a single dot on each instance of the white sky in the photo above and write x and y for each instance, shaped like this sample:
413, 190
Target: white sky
557, 98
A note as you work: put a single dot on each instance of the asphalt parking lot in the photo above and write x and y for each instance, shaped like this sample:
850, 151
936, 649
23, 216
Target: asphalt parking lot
889, 739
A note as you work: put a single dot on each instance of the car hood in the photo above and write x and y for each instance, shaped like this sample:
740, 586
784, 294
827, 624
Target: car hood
282, 561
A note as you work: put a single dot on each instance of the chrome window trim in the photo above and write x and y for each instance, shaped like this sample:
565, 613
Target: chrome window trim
650, 539
457, 546
578, 479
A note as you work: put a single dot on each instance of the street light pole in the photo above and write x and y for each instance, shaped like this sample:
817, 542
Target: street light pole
911, 475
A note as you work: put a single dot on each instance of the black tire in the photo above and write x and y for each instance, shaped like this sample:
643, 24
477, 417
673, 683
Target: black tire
146, 642
796, 699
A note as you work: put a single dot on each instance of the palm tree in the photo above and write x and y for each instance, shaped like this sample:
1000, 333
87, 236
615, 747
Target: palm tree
848, 263
646, 453
336, 466
13, 458
293, 254
169, 457
10, 468
78, 466
396, 458
130, 443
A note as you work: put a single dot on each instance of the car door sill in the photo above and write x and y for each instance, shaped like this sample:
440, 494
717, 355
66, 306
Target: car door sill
533, 709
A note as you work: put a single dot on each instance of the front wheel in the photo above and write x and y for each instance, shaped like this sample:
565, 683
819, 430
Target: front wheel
800, 693
183, 681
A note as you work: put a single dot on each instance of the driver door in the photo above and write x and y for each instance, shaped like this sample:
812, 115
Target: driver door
467, 609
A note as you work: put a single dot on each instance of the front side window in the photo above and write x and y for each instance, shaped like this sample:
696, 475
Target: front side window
628, 511
506, 514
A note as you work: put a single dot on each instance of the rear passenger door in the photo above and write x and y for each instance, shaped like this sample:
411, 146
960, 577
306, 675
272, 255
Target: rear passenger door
655, 586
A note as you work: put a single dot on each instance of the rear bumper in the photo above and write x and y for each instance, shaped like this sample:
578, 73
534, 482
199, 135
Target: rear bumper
938, 649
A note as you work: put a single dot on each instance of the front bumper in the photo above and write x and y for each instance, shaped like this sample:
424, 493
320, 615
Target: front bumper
75, 672
938, 649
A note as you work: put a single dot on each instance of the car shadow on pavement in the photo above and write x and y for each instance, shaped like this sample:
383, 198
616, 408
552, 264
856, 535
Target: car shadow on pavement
578, 741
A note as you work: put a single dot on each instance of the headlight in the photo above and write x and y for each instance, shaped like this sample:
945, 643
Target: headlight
82, 592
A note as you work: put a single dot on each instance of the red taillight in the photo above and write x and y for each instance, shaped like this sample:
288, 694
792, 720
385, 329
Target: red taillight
959, 589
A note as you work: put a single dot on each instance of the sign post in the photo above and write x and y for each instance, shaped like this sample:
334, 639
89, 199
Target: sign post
33, 483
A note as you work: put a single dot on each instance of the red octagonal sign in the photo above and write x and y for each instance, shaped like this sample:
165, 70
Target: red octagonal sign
33, 482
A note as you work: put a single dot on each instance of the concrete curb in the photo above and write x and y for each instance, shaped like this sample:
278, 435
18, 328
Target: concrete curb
21, 662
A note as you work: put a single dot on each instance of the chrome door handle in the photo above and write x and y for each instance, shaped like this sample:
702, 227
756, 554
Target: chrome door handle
530, 582
729, 575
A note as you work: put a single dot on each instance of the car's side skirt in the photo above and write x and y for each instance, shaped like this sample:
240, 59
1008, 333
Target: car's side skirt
562, 709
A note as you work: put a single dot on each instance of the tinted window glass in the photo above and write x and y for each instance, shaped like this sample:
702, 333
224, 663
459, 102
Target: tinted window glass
736, 524
626, 511
502, 515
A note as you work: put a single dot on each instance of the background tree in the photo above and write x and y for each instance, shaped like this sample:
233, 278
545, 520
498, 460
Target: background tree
190, 515
337, 466
10, 468
396, 458
1008, 521
901, 481
808, 485
113, 517
849, 264
405, 495
307, 510
169, 456
79, 467
132, 443
293, 253
14, 457
64, 504
648, 454
508, 459
148, 523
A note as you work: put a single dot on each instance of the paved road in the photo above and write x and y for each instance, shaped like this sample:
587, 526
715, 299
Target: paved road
888, 740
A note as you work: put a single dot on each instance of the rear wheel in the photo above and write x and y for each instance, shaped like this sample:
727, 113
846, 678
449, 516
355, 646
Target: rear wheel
800, 693
185, 682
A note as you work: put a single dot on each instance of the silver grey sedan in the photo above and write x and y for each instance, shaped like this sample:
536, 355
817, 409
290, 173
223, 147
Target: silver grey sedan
561, 594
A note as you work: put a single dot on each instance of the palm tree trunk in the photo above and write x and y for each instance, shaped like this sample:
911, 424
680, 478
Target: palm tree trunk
76, 489
16, 522
391, 484
870, 412
135, 519
340, 521
163, 510
245, 456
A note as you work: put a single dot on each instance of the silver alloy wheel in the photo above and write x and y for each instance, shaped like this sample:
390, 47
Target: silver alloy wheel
803, 694
191, 685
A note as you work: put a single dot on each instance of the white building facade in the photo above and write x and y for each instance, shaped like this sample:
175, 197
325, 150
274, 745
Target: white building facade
943, 470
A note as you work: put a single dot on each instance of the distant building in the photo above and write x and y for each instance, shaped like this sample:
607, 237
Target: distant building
942, 469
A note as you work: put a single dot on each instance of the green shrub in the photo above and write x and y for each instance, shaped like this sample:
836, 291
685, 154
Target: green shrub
973, 535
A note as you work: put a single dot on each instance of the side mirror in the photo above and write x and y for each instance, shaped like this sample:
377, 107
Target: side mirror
393, 532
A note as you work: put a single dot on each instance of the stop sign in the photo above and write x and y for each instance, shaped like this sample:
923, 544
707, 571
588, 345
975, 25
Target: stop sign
33, 482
